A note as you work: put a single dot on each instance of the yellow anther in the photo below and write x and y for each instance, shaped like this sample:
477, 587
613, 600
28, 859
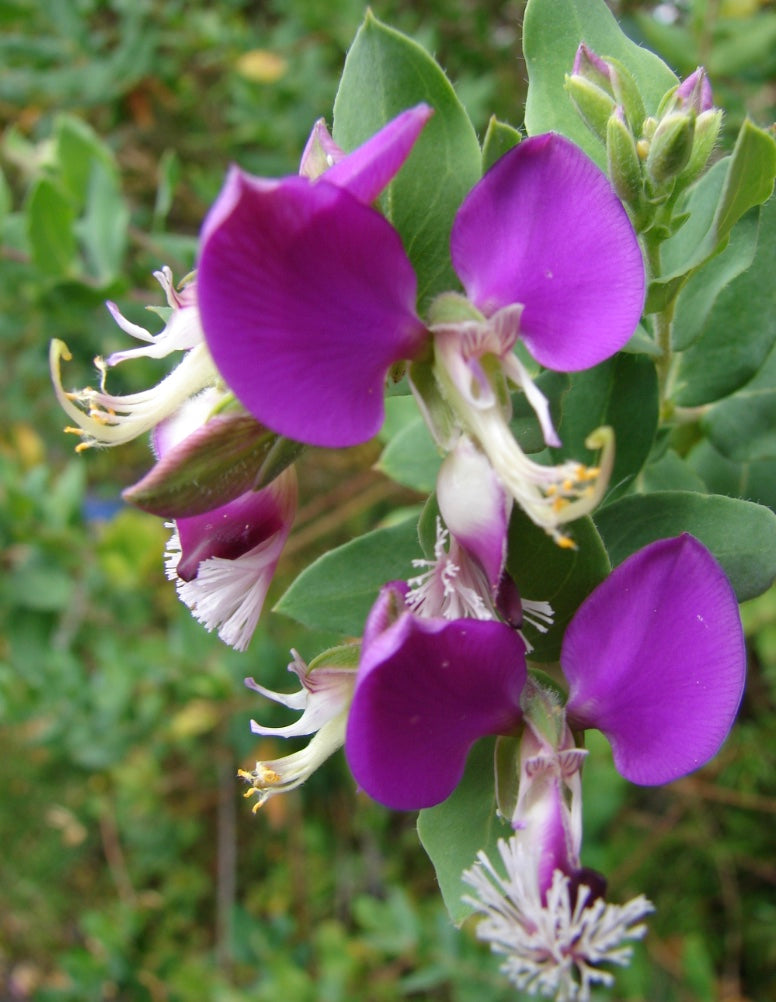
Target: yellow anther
592, 472
568, 485
74, 431
83, 446
245, 775
559, 504
552, 490
566, 543
257, 806
250, 792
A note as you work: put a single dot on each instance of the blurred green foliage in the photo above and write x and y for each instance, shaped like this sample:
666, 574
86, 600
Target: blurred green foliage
130, 867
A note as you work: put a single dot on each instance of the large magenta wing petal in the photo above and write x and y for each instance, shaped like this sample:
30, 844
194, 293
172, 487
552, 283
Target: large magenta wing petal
426, 690
544, 228
655, 659
306, 298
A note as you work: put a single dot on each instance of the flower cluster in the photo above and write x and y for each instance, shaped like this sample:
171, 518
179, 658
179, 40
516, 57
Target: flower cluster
304, 303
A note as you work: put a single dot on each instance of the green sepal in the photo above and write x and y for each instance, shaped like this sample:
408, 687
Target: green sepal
341, 656
500, 138
280, 455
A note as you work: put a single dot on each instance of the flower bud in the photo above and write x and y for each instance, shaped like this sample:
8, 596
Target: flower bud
694, 93
598, 85
593, 104
624, 166
671, 146
707, 127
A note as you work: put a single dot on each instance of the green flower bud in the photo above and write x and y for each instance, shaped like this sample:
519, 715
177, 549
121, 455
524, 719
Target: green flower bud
626, 94
623, 159
707, 128
593, 104
671, 146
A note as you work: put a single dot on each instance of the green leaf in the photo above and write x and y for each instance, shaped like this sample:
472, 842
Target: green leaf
749, 179
669, 473
78, 149
386, 72
104, 226
751, 481
622, 393
411, 457
740, 534
552, 32
543, 571
337, 591
739, 332
743, 427
696, 300
716, 203
453, 832
50, 222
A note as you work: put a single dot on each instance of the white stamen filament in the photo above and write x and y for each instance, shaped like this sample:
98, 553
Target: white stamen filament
105, 419
283, 774
555, 947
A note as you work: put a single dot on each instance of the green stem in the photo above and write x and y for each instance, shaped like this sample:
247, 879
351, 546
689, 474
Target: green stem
663, 323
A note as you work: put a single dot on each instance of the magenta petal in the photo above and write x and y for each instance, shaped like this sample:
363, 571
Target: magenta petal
655, 659
306, 298
426, 690
544, 228
370, 167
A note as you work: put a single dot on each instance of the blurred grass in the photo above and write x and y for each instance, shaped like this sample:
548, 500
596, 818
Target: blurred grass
131, 869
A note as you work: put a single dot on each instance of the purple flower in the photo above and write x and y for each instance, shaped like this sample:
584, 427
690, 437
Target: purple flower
426, 690
545, 229
307, 296
655, 659
223, 560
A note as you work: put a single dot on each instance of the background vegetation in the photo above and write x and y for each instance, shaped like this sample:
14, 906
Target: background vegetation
130, 868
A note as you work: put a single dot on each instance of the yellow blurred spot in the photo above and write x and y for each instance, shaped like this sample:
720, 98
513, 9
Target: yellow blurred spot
261, 66
740, 8
197, 717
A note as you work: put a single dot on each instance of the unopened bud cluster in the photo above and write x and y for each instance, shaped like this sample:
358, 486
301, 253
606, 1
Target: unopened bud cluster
651, 159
